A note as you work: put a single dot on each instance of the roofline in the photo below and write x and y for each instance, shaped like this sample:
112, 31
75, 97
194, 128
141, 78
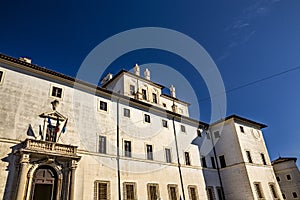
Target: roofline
284, 159
123, 71
88, 86
175, 99
243, 119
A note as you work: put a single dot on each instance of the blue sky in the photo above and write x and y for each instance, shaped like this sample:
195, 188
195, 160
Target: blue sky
248, 40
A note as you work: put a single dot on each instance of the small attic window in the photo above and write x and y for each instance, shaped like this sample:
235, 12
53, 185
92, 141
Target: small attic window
1, 76
56, 92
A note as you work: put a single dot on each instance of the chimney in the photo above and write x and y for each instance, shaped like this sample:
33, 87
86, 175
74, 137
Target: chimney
172, 91
28, 60
136, 70
106, 78
147, 74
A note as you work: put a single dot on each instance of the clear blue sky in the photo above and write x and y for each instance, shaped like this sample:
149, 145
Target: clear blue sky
249, 40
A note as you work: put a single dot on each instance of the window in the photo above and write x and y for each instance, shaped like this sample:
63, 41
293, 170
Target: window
127, 148
147, 118
56, 92
164, 105
165, 123
149, 152
258, 190
187, 158
288, 177
220, 193
102, 144
154, 97
199, 133
203, 161
210, 193
193, 192
208, 135
213, 163
263, 159
129, 191
144, 94
1, 76
278, 178
283, 195
273, 190
222, 161
249, 156
242, 129
173, 192
126, 112
182, 128
168, 155
103, 105
153, 191
217, 134
295, 195
102, 190
132, 89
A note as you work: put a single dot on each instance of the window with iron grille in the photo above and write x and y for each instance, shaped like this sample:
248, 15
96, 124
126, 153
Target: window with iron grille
258, 190
127, 148
102, 189
56, 92
210, 193
273, 190
149, 152
153, 191
173, 192
193, 192
102, 144
129, 191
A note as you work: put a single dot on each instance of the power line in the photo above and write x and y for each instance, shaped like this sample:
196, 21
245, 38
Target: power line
253, 82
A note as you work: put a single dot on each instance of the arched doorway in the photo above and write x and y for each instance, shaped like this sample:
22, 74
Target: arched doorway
44, 183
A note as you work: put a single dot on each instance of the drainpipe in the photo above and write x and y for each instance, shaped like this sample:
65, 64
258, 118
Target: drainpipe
178, 161
216, 161
118, 150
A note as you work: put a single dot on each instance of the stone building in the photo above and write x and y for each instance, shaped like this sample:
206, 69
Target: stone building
288, 177
62, 138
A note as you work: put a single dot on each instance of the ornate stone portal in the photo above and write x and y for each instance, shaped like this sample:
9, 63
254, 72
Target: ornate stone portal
46, 169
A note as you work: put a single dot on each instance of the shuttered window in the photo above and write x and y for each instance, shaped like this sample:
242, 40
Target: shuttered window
129, 191
102, 190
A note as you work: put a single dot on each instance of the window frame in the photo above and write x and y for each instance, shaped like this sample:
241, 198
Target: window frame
213, 162
182, 128
187, 158
217, 134
203, 162
132, 89
190, 192
97, 189
212, 195
169, 157
154, 98
144, 94
55, 95
263, 158
258, 190
101, 103
147, 118
100, 148
170, 192
249, 157
127, 154
126, 112
149, 154
164, 123
273, 190
149, 191
2, 76
125, 184
222, 161
242, 130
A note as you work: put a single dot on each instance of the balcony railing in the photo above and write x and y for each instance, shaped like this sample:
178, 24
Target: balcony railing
50, 147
